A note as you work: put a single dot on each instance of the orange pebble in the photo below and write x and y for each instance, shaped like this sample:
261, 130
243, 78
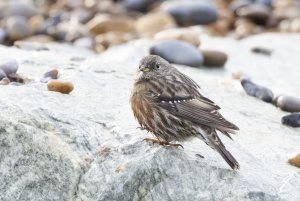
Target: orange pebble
295, 160
60, 86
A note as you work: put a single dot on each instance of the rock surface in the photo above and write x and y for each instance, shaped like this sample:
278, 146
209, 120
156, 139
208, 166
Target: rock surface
85, 145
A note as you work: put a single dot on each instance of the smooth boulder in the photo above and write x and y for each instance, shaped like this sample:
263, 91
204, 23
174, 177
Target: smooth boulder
191, 12
178, 52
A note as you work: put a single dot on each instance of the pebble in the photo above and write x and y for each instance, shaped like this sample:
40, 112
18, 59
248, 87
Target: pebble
257, 13
295, 160
191, 12
214, 58
288, 103
244, 28
24, 8
14, 77
292, 120
3, 35
109, 39
2, 74
237, 4
182, 34
152, 23
17, 28
60, 86
262, 50
178, 52
137, 5
4, 81
104, 23
256, 90
50, 75
9, 66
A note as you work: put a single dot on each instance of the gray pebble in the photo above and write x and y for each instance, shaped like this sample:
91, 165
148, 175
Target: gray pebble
191, 12
9, 66
17, 28
256, 90
2, 74
292, 120
288, 103
137, 5
178, 52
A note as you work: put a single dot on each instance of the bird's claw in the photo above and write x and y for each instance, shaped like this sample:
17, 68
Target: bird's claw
141, 128
164, 143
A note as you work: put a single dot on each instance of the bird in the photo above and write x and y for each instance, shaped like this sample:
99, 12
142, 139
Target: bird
168, 104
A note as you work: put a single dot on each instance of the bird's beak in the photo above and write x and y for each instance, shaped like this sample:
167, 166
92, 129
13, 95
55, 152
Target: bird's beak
145, 69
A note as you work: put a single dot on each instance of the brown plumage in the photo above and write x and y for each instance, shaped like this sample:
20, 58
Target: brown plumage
168, 104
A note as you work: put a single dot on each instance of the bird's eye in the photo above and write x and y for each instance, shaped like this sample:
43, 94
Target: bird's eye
157, 66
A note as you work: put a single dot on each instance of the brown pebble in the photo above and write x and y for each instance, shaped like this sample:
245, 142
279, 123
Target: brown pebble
288, 103
60, 86
295, 160
214, 58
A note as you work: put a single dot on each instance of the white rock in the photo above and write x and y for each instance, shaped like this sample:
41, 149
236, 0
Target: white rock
85, 146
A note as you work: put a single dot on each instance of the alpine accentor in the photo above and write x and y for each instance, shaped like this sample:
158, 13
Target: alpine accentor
168, 104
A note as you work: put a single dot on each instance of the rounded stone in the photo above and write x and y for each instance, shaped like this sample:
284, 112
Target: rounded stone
137, 5
2, 74
106, 23
178, 52
237, 4
295, 160
182, 34
214, 58
191, 12
60, 86
17, 28
288, 103
53, 74
9, 66
292, 120
4, 81
257, 13
152, 23
3, 35
256, 90
112, 38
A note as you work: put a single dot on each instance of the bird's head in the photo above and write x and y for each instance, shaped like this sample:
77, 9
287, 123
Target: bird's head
152, 67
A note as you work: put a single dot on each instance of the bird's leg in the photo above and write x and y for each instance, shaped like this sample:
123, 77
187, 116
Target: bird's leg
164, 143
140, 127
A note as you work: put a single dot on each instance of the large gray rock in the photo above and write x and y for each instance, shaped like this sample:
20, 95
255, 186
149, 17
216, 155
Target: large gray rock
85, 146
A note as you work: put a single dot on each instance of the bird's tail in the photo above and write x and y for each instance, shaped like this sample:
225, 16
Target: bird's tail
226, 155
216, 143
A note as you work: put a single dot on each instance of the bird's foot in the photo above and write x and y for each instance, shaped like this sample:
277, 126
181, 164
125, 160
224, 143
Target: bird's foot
164, 143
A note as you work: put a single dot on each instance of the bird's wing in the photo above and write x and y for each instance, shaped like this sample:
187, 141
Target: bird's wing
183, 99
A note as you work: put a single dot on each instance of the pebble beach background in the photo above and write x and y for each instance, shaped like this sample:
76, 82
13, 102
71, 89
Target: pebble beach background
66, 72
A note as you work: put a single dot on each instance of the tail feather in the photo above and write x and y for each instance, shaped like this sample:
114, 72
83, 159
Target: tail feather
226, 155
217, 144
